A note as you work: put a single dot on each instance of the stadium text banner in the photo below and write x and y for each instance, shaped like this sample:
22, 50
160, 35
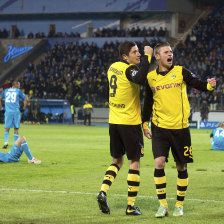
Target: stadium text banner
193, 124
208, 124
15, 51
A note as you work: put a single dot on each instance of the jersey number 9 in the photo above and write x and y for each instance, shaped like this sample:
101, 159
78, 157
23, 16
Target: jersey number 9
113, 85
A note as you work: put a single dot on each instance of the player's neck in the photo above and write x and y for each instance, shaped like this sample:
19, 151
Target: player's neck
163, 68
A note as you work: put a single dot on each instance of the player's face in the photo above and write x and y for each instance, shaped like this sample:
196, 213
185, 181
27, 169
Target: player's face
165, 57
134, 56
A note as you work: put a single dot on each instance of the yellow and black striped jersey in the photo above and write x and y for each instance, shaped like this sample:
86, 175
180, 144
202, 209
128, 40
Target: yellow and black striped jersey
124, 91
166, 97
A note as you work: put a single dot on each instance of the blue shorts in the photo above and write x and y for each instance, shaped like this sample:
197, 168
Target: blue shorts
7, 158
12, 120
215, 147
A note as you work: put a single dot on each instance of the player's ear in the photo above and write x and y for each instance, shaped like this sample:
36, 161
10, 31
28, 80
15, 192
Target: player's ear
124, 57
157, 56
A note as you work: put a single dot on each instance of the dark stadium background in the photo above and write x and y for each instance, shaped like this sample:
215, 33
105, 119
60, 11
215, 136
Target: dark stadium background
74, 42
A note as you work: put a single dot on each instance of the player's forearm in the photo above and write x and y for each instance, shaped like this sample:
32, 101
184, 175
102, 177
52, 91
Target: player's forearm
193, 81
139, 76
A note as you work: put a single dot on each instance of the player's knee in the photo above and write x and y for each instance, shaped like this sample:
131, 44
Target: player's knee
22, 138
160, 166
118, 161
134, 164
160, 163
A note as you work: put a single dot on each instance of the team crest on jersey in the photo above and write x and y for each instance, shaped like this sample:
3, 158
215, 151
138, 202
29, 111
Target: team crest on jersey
134, 73
173, 75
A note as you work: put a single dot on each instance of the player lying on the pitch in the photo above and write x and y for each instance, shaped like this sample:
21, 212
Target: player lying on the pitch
16, 151
217, 137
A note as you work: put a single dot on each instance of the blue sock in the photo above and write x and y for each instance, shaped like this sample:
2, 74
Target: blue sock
16, 136
6, 134
26, 149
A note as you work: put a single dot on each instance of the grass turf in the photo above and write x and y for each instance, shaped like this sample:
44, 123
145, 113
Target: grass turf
63, 188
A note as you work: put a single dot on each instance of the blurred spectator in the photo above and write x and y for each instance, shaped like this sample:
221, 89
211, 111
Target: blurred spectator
131, 32
204, 110
4, 33
73, 111
30, 35
87, 111
213, 100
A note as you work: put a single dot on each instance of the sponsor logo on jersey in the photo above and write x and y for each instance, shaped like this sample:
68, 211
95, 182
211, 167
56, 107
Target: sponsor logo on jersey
166, 86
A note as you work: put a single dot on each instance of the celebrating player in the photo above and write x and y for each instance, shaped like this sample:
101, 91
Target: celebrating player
12, 110
166, 99
125, 121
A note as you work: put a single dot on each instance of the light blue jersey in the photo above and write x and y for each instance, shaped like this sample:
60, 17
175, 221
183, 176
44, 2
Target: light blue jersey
218, 139
15, 153
12, 156
12, 97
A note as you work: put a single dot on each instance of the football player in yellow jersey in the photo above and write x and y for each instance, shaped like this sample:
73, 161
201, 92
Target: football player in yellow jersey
125, 131
166, 100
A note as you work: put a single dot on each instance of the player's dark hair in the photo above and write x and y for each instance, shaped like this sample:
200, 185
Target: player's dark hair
159, 45
125, 48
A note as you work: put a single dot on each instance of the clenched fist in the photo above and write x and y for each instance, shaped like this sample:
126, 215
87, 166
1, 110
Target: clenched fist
148, 50
212, 82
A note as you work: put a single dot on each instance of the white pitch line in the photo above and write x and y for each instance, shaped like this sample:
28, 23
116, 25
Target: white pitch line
88, 193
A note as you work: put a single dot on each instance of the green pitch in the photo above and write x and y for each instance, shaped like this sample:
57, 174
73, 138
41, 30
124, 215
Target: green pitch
63, 188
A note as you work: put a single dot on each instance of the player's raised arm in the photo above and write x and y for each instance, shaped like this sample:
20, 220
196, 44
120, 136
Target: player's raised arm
196, 83
139, 75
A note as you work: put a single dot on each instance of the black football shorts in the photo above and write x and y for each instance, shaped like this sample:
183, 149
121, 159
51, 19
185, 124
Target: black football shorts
179, 140
126, 139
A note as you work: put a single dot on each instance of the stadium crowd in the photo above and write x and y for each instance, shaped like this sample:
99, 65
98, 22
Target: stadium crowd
4, 33
133, 32
77, 71
202, 53
104, 32
72, 71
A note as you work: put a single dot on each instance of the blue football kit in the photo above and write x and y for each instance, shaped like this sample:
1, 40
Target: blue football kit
218, 139
12, 113
15, 153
